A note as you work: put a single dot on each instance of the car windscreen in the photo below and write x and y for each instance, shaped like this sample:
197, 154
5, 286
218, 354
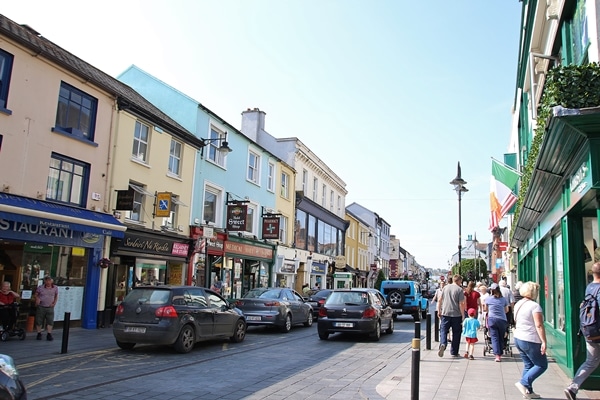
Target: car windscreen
263, 294
347, 298
148, 296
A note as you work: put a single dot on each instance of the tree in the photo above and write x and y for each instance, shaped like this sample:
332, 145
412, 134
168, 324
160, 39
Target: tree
380, 278
471, 269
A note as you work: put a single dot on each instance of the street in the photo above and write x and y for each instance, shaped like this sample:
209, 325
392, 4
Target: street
267, 365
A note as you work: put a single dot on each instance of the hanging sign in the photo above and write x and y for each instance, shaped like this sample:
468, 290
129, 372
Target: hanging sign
163, 204
236, 217
270, 228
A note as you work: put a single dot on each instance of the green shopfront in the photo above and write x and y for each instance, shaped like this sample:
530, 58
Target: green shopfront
557, 230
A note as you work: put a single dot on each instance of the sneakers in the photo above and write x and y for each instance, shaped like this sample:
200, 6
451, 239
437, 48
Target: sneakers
498, 359
521, 388
39, 336
466, 355
531, 395
571, 395
49, 337
471, 358
441, 350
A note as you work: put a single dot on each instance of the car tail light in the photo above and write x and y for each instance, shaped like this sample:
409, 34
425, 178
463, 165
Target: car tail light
166, 312
239, 303
322, 312
369, 313
120, 309
321, 302
272, 304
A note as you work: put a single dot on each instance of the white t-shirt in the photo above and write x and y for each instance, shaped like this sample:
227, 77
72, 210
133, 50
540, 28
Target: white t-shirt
525, 324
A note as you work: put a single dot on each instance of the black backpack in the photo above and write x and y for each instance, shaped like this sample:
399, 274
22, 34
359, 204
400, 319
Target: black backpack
589, 317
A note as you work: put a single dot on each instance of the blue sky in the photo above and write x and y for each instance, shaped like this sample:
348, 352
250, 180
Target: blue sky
390, 94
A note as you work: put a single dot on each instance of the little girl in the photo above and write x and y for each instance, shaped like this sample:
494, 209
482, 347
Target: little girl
470, 326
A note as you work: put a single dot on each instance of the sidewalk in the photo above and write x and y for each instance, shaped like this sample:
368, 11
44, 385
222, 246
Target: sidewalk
462, 379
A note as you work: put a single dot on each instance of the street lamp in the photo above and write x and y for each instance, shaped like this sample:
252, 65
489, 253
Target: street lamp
459, 185
223, 147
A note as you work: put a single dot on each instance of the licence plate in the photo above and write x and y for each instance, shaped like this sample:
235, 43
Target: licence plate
343, 325
135, 329
253, 318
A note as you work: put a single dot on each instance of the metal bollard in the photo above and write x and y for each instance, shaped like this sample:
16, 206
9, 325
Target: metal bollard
417, 330
436, 327
414, 376
428, 332
65, 335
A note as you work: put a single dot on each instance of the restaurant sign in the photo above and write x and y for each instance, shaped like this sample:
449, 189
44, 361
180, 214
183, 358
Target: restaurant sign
154, 245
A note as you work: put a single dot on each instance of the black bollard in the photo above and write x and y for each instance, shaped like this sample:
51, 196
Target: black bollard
436, 327
428, 332
417, 330
65, 335
414, 375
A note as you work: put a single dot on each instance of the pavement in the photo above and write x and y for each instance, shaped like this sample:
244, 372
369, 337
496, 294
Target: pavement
443, 378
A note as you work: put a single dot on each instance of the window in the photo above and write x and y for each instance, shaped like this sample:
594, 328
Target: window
304, 181
213, 153
76, 113
253, 167
139, 195
67, 180
170, 222
271, 177
175, 157
300, 230
331, 197
251, 218
141, 137
339, 204
285, 185
212, 199
283, 224
315, 189
324, 196
6, 61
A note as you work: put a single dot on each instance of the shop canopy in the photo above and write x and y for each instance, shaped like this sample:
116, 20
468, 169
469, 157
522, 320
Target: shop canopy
58, 216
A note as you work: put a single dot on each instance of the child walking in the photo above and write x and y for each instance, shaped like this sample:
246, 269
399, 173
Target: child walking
470, 326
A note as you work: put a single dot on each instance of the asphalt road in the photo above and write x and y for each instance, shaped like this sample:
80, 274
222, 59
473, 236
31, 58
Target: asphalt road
267, 365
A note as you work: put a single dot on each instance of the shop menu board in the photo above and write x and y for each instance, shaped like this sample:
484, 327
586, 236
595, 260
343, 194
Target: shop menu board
70, 299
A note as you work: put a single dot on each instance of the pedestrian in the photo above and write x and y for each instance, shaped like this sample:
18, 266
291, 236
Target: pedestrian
508, 294
7, 298
470, 327
46, 296
472, 298
217, 284
483, 291
305, 289
530, 338
516, 291
592, 359
496, 307
438, 292
451, 307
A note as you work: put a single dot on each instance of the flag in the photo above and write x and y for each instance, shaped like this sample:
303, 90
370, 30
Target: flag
502, 198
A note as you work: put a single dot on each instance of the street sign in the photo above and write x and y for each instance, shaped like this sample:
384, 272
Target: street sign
502, 246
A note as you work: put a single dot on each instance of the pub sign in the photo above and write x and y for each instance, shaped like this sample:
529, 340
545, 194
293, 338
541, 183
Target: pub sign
236, 217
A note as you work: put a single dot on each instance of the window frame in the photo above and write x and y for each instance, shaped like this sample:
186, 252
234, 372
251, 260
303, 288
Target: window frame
65, 105
6, 66
253, 169
212, 153
285, 185
138, 142
271, 177
217, 211
174, 167
84, 177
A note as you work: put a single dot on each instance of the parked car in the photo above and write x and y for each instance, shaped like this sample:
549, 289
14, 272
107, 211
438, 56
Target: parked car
280, 307
317, 299
176, 315
405, 297
362, 311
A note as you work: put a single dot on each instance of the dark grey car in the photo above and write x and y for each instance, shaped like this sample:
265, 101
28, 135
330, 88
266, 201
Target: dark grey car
176, 315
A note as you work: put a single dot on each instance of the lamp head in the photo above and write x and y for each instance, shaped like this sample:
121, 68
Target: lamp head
224, 147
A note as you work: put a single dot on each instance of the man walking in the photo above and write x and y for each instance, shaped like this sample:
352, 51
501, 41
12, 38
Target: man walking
451, 307
592, 349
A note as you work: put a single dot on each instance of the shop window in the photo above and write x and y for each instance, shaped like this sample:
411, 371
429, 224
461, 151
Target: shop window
548, 282
560, 283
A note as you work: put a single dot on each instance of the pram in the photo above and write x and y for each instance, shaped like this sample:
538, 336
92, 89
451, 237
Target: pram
487, 341
11, 329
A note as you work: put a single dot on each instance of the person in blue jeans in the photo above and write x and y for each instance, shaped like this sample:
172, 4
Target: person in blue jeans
530, 338
592, 359
451, 308
496, 307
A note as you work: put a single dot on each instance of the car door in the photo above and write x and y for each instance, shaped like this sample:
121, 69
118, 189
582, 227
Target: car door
198, 308
224, 317
292, 304
386, 311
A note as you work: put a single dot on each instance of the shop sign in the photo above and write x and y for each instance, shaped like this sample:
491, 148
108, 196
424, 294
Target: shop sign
148, 245
317, 268
288, 267
248, 250
270, 228
502, 246
236, 217
163, 204
180, 249
125, 200
45, 234
577, 180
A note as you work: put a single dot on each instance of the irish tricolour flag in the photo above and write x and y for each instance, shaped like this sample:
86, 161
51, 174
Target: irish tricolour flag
502, 197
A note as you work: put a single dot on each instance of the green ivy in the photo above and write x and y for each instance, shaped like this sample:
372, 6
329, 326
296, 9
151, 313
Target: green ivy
570, 86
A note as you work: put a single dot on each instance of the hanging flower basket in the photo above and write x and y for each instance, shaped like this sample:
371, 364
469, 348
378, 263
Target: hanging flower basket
104, 263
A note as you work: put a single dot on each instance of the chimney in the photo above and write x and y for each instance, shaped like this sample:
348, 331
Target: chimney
253, 121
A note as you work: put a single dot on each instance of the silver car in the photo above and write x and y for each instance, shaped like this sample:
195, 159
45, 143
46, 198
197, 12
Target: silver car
280, 307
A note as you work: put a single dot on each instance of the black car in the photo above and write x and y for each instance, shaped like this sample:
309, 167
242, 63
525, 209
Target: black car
176, 315
363, 311
317, 299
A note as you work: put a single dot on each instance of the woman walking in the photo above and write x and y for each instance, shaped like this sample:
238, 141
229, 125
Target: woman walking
496, 307
530, 338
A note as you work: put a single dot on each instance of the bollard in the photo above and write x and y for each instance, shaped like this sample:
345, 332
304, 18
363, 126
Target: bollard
65, 335
428, 332
414, 376
436, 327
417, 330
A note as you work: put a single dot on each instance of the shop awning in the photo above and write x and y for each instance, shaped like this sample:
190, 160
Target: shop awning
348, 268
58, 216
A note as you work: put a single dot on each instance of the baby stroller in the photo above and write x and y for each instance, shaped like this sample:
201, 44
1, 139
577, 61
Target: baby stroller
10, 313
487, 341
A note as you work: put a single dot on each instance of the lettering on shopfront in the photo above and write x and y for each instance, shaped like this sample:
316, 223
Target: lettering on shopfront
156, 246
44, 229
146, 244
247, 250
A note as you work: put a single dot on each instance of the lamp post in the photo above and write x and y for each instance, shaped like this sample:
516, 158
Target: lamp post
460, 188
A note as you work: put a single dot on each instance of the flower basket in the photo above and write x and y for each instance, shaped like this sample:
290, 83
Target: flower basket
104, 263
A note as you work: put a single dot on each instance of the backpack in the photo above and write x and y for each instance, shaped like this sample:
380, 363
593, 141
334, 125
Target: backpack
589, 317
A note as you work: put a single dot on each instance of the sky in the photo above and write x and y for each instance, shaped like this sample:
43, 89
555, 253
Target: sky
390, 94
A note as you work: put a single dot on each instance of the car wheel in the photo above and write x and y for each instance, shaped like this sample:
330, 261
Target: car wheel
239, 333
309, 320
390, 328
186, 340
125, 346
396, 298
287, 324
323, 335
376, 334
